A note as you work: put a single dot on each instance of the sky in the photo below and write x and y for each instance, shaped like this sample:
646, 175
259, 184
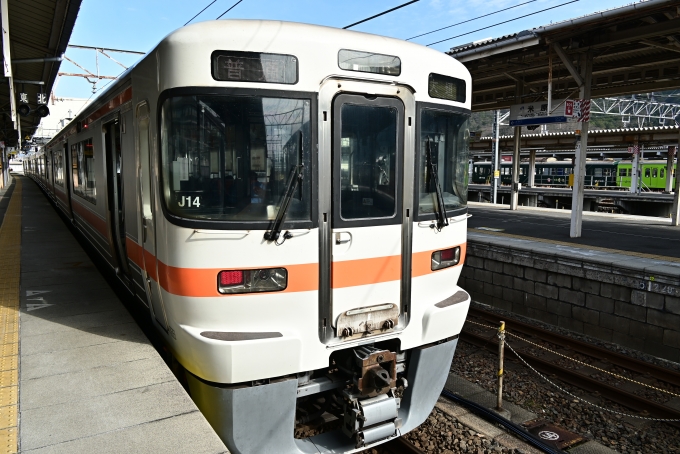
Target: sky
141, 24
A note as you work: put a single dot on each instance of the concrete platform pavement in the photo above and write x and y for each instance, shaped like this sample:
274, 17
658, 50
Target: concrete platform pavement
87, 378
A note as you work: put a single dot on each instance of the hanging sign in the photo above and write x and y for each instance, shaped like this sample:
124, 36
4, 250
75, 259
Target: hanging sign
563, 111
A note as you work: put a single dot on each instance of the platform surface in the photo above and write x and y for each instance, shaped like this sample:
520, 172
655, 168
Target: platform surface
86, 377
638, 236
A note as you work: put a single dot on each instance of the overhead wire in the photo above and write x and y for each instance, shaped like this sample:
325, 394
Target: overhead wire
200, 12
232, 7
501, 23
380, 14
470, 20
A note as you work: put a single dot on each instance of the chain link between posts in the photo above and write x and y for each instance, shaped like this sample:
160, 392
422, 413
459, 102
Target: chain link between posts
543, 377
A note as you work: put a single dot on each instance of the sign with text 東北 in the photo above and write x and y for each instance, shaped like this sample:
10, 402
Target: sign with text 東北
536, 113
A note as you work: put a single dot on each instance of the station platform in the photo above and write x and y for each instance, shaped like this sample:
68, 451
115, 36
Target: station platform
638, 236
619, 282
78, 374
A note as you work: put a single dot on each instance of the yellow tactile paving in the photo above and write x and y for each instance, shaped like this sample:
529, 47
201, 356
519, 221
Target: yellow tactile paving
10, 245
576, 245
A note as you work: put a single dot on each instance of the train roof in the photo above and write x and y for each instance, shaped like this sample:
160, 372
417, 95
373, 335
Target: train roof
184, 58
316, 48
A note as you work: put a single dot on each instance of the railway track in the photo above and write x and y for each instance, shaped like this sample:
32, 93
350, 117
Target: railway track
550, 354
400, 446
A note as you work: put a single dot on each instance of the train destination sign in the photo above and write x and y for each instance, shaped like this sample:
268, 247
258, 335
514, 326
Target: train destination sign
233, 66
536, 113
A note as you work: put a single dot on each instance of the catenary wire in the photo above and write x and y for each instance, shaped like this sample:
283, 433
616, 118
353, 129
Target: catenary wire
469, 20
200, 12
380, 14
232, 7
504, 22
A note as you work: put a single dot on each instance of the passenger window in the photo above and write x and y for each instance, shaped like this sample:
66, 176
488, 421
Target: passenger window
647, 172
654, 173
83, 170
598, 172
143, 144
663, 173
59, 168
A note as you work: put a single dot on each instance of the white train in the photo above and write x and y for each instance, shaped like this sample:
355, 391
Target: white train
289, 201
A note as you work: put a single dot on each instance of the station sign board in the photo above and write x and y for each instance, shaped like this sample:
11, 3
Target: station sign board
563, 111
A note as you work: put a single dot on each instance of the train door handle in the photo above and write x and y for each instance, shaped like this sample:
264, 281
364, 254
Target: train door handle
342, 238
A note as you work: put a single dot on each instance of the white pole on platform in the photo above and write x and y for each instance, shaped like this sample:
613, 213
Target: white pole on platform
675, 212
669, 168
532, 169
496, 155
514, 198
581, 151
634, 176
514, 190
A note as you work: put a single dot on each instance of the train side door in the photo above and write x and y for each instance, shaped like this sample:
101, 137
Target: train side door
367, 152
115, 199
148, 221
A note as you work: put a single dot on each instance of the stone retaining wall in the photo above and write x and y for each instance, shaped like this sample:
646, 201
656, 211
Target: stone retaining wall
618, 303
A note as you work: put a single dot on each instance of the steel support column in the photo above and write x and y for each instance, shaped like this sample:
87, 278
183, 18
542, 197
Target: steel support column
514, 194
532, 169
495, 157
675, 212
581, 150
669, 168
514, 198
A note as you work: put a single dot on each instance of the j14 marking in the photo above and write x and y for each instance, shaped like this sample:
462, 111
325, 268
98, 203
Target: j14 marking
195, 201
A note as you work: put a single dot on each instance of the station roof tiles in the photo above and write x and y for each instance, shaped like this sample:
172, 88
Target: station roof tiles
635, 48
37, 29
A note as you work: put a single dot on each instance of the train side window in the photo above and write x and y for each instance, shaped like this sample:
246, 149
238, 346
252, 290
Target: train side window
622, 172
598, 172
59, 168
647, 172
84, 183
143, 143
655, 173
630, 172
662, 172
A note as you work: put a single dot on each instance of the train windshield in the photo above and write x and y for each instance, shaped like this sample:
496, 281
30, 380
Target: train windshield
229, 158
447, 134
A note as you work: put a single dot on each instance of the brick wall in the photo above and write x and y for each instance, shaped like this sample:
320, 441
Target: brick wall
635, 308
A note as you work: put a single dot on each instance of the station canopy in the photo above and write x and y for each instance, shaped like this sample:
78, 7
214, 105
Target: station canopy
39, 31
634, 48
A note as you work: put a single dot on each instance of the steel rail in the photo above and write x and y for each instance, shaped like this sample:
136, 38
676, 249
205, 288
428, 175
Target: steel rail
583, 381
666, 375
402, 446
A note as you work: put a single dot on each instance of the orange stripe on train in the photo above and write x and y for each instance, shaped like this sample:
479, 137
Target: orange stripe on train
202, 282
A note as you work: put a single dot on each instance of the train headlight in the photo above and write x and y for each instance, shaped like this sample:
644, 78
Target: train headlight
251, 281
445, 258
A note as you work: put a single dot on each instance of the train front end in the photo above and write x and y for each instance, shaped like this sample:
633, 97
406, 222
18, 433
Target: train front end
309, 228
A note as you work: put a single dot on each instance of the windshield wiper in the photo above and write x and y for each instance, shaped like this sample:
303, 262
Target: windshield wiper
293, 181
442, 221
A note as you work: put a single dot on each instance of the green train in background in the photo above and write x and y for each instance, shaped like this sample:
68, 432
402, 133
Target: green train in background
599, 174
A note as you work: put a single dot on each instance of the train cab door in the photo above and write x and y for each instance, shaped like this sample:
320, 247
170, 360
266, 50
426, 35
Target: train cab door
148, 221
115, 199
367, 209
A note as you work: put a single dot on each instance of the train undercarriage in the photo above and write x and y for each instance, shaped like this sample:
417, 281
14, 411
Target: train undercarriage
367, 395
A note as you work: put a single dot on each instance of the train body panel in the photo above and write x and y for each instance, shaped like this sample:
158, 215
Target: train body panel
180, 174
